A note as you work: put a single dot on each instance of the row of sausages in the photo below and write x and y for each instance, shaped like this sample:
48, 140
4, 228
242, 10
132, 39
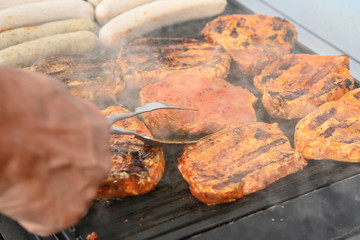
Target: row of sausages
33, 29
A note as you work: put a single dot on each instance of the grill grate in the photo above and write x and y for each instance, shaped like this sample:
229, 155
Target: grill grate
171, 212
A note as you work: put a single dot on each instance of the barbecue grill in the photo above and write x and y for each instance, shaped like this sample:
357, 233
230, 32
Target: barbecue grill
318, 202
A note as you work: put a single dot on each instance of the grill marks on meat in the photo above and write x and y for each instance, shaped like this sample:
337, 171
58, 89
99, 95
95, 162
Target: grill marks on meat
296, 84
321, 118
147, 60
253, 41
219, 103
87, 76
136, 168
237, 161
332, 131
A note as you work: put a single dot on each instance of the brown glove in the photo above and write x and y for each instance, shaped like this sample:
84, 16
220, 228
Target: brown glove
54, 152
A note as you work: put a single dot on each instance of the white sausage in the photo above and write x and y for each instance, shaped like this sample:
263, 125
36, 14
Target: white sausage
42, 12
108, 9
20, 35
97, 2
148, 17
25, 54
12, 3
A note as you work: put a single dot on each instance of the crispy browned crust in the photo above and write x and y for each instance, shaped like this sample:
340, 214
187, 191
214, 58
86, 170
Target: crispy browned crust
237, 161
87, 76
332, 131
296, 84
253, 41
136, 168
220, 104
147, 60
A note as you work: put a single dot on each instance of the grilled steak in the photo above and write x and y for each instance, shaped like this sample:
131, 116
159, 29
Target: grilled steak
87, 76
219, 103
237, 161
296, 84
332, 131
136, 168
145, 61
253, 41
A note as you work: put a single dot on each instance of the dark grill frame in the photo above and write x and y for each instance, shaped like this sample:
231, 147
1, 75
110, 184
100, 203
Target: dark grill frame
170, 211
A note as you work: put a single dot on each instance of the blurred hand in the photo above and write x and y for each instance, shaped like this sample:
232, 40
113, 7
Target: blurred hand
54, 152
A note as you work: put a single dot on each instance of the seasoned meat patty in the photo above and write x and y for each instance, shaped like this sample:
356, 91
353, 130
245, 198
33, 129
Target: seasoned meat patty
332, 131
253, 41
136, 168
296, 84
147, 60
237, 161
219, 103
87, 76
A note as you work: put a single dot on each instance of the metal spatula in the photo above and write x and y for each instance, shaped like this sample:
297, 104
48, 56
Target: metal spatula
146, 108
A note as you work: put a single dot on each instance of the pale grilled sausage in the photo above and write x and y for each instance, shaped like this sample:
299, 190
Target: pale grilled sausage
12, 3
108, 9
25, 54
148, 17
20, 35
42, 12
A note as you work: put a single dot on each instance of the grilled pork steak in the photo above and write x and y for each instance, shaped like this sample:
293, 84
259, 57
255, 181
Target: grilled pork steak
332, 131
147, 60
220, 104
296, 84
136, 168
87, 76
237, 161
253, 41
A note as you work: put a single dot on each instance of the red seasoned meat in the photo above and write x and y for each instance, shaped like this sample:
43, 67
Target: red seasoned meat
87, 76
296, 84
219, 103
253, 41
136, 168
237, 161
147, 60
332, 131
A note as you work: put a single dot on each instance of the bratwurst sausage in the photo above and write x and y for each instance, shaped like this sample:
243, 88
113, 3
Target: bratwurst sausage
25, 54
148, 17
42, 12
108, 9
20, 35
12, 3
